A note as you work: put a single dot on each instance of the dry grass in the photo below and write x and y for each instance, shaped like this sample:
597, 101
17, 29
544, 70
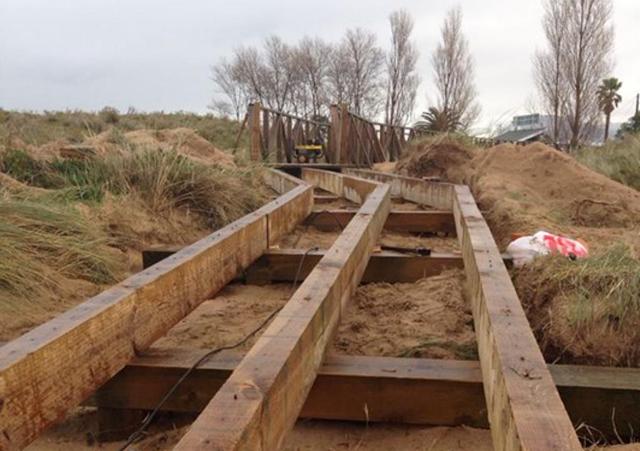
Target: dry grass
76, 126
69, 227
41, 244
618, 160
585, 311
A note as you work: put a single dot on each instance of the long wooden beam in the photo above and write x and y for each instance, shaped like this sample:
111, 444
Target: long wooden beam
55, 366
524, 408
434, 194
284, 265
437, 221
417, 391
259, 404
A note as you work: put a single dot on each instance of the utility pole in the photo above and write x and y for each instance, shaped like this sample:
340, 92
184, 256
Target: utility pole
637, 103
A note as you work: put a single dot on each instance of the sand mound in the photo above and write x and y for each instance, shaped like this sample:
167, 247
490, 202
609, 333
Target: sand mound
527, 188
183, 140
549, 186
442, 159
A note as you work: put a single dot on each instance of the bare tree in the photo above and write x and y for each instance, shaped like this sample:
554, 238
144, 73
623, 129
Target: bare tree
402, 80
355, 73
548, 69
337, 75
224, 76
586, 60
454, 72
249, 72
279, 73
312, 60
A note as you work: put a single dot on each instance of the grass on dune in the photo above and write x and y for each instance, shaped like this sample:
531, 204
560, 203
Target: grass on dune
618, 159
162, 179
54, 230
75, 126
42, 243
587, 310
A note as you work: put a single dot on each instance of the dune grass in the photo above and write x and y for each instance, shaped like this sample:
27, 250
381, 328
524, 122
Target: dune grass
64, 223
41, 243
75, 126
619, 160
587, 310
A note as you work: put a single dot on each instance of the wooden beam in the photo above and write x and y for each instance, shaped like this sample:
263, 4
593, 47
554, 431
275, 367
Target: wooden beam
436, 195
352, 188
55, 366
259, 404
255, 140
416, 391
283, 265
324, 198
398, 221
524, 408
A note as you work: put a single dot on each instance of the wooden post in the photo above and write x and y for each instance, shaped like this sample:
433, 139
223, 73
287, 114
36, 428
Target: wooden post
344, 134
335, 134
266, 150
255, 148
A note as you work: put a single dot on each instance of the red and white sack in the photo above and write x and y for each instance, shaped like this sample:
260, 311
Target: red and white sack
524, 249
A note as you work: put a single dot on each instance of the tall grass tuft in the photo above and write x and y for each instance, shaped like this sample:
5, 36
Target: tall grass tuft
618, 160
588, 309
42, 243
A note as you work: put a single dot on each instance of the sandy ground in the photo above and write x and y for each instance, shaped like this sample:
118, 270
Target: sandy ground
308, 435
429, 318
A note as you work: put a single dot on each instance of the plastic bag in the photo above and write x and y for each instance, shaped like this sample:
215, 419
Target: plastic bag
524, 249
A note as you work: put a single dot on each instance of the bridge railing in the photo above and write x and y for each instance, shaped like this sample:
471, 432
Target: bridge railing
347, 138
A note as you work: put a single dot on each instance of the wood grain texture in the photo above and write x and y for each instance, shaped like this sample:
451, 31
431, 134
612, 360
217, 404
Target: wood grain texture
406, 390
259, 404
436, 195
524, 408
436, 221
55, 366
283, 265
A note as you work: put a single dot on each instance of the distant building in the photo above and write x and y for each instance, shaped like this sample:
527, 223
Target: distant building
526, 129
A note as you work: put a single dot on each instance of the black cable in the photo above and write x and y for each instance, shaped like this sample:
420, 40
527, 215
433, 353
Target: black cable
332, 214
137, 434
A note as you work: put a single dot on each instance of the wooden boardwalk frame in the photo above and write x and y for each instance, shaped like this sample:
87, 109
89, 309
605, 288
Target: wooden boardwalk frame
259, 404
256, 400
406, 390
54, 367
524, 408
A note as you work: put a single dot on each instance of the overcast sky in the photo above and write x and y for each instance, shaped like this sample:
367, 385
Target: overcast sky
156, 54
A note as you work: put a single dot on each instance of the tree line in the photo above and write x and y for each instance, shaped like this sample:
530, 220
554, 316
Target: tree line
570, 71
305, 78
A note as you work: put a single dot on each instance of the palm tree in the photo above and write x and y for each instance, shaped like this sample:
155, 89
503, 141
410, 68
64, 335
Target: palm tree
608, 99
439, 120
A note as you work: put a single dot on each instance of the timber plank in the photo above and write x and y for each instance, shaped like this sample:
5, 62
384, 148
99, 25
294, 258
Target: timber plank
260, 402
434, 194
398, 220
55, 366
525, 410
282, 265
407, 390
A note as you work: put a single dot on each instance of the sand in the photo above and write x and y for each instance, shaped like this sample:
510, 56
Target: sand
427, 319
78, 432
228, 318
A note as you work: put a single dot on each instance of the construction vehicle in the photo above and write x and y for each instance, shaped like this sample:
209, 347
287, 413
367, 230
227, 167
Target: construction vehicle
309, 152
